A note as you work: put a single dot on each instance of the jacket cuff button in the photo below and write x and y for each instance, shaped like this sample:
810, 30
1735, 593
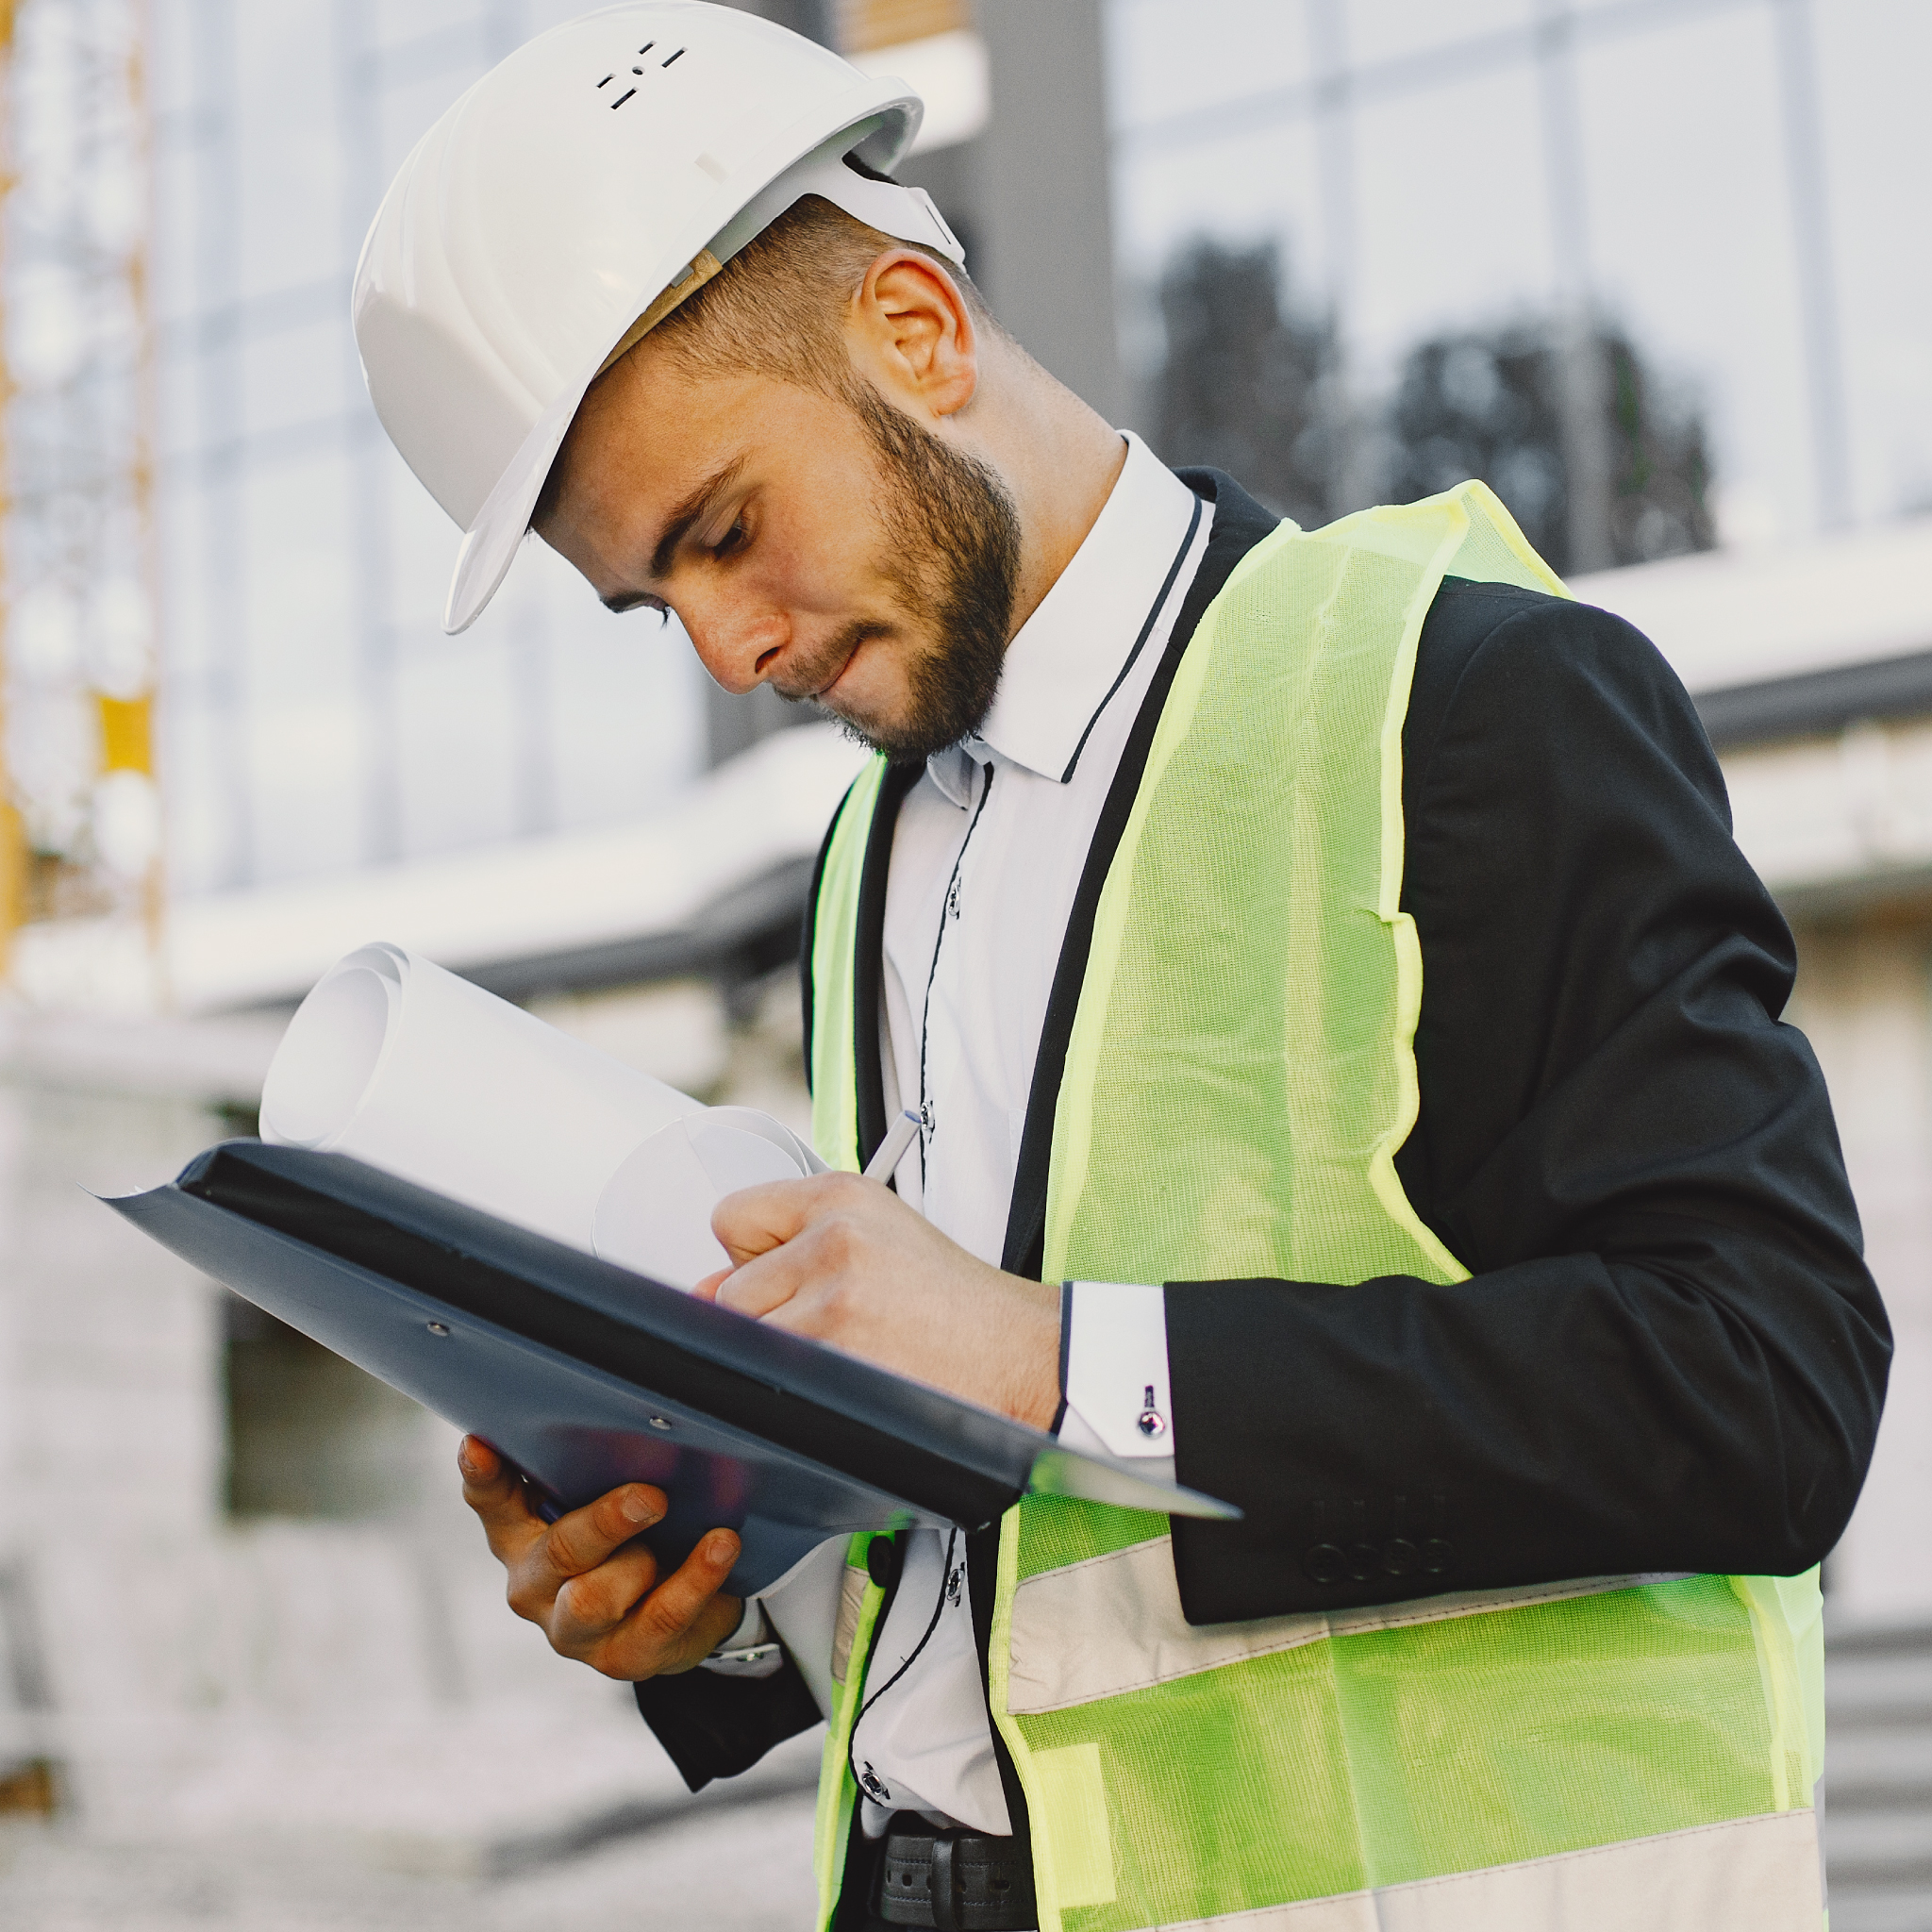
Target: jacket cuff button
1324, 1564
1399, 1556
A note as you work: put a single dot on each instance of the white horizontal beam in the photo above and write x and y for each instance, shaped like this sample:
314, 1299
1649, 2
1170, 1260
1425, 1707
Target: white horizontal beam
1731, 617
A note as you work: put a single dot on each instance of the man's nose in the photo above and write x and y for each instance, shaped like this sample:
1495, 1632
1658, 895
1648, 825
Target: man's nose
740, 648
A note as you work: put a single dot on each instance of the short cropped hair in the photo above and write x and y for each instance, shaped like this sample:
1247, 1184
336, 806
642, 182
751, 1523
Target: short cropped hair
777, 308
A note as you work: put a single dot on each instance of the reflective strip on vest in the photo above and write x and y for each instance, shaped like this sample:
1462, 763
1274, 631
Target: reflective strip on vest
1610, 1752
1755, 1874
1134, 1635
860, 1602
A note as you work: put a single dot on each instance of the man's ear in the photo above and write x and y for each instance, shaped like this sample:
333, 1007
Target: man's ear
915, 334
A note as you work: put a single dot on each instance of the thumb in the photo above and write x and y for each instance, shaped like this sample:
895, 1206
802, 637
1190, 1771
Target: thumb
755, 1220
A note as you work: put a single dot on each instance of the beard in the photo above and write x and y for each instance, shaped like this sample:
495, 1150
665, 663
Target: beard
952, 556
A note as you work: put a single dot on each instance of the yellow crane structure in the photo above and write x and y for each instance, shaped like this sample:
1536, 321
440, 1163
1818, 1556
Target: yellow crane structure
80, 846
862, 26
12, 843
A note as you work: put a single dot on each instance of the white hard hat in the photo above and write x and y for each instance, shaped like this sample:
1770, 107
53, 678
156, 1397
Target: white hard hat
573, 196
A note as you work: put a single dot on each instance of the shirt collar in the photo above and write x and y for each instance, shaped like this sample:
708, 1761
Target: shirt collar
1066, 659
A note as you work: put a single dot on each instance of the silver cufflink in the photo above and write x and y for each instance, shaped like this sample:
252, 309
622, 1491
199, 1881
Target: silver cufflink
1150, 1421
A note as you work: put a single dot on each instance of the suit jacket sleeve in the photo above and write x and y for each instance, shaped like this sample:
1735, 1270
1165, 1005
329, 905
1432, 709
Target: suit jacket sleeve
712, 1725
1670, 1355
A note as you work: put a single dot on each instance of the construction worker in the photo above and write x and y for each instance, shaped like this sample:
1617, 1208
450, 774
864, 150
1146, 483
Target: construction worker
1347, 1042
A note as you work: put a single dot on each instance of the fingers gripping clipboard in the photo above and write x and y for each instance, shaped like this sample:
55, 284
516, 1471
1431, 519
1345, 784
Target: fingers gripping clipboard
588, 1376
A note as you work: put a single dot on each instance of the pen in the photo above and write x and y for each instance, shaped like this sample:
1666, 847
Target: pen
899, 1137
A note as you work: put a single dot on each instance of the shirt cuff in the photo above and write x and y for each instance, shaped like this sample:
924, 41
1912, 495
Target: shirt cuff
1116, 1386
752, 1650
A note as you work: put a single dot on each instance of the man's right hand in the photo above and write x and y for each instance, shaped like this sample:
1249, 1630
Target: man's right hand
588, 1582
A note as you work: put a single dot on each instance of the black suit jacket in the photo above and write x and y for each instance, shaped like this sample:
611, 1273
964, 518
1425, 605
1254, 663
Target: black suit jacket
1670, 1355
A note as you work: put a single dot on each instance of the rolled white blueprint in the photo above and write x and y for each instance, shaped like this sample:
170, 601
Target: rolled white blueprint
396, 1062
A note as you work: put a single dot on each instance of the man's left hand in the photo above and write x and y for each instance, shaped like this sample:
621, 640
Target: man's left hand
844, 1260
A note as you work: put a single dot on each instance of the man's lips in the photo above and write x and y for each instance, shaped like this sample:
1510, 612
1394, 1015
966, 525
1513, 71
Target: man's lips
825, 690
807, 691
823, 694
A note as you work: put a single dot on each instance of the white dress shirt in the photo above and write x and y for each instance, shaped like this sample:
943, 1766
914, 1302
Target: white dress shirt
987, 856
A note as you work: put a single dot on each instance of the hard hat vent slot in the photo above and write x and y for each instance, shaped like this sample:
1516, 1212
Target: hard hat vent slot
638, 71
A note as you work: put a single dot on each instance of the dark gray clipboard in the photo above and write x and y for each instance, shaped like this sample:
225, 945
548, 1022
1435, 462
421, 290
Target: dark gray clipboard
587, 1376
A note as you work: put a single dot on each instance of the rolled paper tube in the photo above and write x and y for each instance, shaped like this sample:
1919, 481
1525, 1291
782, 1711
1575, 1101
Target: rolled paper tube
405, 1066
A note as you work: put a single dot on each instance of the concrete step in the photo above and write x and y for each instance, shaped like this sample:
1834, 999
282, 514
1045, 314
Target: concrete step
1878, 1780
1887, 1910
743, 1868
1876, 1639
1879, 1691
1879, 1847
1882, 1770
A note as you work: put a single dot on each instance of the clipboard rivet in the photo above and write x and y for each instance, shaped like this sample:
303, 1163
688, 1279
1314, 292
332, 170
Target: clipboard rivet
439, 1328
661, 1422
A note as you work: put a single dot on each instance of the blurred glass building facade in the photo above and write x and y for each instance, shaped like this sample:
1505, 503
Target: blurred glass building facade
315, 718
1721, 179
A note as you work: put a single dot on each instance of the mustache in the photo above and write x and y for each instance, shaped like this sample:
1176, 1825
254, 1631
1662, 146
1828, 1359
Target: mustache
824, 665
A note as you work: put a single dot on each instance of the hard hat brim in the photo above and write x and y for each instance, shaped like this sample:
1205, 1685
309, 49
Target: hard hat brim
491, 544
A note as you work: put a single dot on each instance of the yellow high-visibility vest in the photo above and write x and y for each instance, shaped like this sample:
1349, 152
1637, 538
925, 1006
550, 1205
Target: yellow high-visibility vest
1629, 1752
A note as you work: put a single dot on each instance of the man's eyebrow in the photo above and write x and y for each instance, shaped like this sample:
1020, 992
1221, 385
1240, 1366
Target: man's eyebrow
678, 524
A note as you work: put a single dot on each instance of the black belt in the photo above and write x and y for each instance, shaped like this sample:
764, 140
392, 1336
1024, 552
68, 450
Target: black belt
956, 1881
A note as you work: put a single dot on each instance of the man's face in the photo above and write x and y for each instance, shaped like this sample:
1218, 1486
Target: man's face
833, 548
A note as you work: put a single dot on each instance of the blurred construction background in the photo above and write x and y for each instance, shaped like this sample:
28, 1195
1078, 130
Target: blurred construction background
1653, 268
